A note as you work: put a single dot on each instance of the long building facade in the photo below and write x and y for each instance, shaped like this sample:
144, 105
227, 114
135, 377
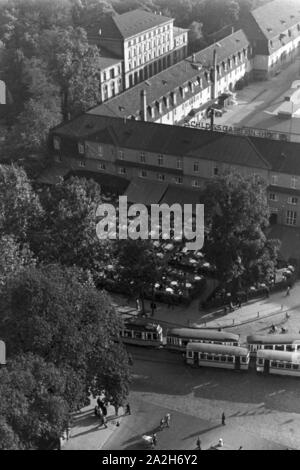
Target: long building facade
179, 156
187, 87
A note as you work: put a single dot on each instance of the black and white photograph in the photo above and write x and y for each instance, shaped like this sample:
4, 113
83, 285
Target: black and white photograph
149, 227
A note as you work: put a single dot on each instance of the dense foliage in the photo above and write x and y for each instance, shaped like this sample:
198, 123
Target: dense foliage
51, 315
236, 215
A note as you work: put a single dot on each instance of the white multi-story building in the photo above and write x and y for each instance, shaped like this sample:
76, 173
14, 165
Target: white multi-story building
145, 42
274, 31
187, 88
110, 71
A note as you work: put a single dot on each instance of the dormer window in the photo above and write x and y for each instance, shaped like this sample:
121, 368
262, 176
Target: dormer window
159, 106
81, 148
56, 143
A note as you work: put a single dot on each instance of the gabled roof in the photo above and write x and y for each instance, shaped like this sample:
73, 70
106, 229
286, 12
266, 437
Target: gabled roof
169, 140
134, 22
282, 156
125, 26
277, 16
129, 102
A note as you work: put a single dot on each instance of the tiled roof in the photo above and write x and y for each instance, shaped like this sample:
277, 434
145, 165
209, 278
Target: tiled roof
125, 26
145, 191
137, 21
129, 102
165, 139
277, 16
282, 156
105, 62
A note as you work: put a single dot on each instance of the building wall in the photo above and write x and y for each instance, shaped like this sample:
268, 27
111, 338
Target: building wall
111, 81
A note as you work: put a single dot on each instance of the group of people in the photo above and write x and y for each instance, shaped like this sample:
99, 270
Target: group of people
100, 412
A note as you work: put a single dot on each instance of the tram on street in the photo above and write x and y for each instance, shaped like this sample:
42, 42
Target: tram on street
216, 355
271, 342
178, 338
142, 332
278, 362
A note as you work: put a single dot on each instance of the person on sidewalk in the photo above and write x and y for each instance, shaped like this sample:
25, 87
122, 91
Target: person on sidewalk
128, 410
223, 419
154, 440
104, 421
198, 443
162, 424
168, 419
288, 291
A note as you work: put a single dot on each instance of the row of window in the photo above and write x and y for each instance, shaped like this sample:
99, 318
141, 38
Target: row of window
284, 35
111, 73
161, 41
293, 182
139, 335
111, 90
216, 357
276, 347
132, 64
290, 200
279, 364
149, 35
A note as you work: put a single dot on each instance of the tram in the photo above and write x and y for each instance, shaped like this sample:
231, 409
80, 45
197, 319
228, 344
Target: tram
216, 355
282, 342
178, 338
142, 332
278, 362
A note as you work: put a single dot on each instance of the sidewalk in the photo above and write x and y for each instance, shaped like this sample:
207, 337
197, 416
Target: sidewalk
86, 434
193, 316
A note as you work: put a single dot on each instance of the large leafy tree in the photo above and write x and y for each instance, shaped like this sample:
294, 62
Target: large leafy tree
236, 216
58, 314
33, 408
66, 232
13, 258
74, 66
138, 266
19, 205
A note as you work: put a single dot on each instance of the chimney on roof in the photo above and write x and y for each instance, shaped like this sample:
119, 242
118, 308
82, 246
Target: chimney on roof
144, 105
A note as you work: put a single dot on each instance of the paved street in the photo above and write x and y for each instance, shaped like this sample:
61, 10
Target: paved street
257, 101
263, 412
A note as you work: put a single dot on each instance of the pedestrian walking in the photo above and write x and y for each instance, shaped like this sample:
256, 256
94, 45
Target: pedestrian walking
99, 402
168, 419
104, 421
154, 440
223, 419
221, 443
128, 410
162, 424
198, 443
288, 291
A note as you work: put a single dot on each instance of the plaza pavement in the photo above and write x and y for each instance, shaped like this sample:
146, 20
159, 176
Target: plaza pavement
87, 435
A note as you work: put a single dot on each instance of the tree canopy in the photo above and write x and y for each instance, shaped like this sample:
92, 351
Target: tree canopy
236, 216
56, 313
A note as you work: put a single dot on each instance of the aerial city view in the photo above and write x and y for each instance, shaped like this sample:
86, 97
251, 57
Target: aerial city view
149, 226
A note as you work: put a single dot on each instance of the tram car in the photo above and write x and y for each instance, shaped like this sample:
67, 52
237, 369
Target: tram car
281, 342
278, 362
178, 338
216, 355
142, 332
